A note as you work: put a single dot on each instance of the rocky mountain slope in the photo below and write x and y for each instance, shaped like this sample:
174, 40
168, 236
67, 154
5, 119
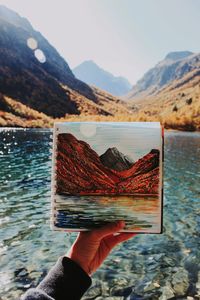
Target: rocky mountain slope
80, 171
23, 77
38, 88
175, 102
174, 66
36, 77
92, 74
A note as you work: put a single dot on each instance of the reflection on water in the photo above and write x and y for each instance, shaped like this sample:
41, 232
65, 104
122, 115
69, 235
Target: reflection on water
146, 267
141, 214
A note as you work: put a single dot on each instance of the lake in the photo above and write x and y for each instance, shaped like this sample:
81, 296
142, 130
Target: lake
146, 267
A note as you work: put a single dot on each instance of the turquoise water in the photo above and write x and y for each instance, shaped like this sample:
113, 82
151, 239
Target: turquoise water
146, 267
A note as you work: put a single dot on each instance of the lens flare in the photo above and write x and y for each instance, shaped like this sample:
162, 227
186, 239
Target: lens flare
39, 54
32, 43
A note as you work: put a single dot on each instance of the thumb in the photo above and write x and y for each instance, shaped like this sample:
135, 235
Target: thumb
109, 229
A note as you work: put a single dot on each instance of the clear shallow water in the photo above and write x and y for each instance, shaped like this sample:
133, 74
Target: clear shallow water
147, 267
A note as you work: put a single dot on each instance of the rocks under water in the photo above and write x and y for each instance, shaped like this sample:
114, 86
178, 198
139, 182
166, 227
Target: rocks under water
147, 267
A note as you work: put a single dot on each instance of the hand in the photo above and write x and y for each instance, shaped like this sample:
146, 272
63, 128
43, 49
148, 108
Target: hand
92, 247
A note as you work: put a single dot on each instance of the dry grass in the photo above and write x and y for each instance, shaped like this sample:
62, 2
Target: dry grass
176, 106
19, 115
106, 104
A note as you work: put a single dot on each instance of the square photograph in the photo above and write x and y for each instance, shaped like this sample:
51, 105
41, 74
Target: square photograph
104, 172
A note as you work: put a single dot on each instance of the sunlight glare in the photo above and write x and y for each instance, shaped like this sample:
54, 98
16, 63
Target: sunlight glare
32, 43
39, 54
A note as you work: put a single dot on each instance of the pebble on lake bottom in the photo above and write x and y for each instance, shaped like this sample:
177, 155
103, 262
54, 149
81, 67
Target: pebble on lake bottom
180, 282
167, 293
150, 267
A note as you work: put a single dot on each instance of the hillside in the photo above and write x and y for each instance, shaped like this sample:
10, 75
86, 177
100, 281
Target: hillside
172, 67
92, 74
176, 104
34, 89
38, 88
15, 114
23, 77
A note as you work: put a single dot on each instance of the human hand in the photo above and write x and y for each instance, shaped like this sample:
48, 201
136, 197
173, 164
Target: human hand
92, 247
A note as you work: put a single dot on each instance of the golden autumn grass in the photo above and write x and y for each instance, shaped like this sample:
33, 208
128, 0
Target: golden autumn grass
176, 106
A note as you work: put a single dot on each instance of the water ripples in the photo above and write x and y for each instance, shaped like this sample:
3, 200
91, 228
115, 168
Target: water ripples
28, 247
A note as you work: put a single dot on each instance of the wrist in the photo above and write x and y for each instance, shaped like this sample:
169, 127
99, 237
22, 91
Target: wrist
79, 263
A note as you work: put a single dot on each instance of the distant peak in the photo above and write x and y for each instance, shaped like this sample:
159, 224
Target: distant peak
176, 55
14, 18
88, 62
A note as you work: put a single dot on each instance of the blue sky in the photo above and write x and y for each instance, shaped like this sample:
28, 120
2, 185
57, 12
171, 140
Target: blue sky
125, 37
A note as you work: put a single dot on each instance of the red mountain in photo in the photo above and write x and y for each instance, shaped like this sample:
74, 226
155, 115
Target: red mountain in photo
80, 171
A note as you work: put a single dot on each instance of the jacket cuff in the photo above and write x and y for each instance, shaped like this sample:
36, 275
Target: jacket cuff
66, 280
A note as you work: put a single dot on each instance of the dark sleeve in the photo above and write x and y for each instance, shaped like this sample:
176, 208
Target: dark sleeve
65, 281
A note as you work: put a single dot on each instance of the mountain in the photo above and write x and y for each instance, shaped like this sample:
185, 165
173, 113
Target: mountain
116, 160
81, 172
36, 84
46, 88
92, 74
172, 67
177, 55
170, 93
37, 87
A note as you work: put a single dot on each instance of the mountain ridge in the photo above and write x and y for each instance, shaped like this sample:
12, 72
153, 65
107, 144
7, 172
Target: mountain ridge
49, 88
177, 104
172, 67
35, 94
176, 55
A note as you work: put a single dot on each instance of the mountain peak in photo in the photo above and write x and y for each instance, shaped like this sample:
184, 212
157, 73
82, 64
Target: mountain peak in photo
90, 73
36, 84
176, 55
174, 66
14, 18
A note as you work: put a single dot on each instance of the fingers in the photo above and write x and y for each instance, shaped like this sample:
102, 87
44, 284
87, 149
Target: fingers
108, 229
124, 236
114, 240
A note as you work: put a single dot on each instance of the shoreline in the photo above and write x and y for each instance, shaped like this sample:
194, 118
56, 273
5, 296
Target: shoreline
4, 128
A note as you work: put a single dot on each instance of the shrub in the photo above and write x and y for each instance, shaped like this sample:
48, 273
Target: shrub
175, 108
188, 101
